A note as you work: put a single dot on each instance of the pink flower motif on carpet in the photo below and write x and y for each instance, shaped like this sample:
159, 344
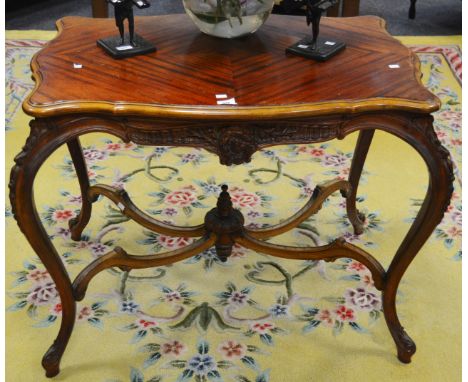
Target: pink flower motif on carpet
242, 199
174, 348
85, 313
367, 280
456, 216
238, 252
38, 276
232, 349
113, 147
92, 175
93, 155
452, 118
173, 242
262, 327
326, 317
182, 198
344, 314
62, 215
56, 309
144, 323
343, 173
356, 266
313, 151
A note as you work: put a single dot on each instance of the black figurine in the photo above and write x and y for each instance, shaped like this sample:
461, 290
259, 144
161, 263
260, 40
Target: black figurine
315, 48
314, 9
123, 10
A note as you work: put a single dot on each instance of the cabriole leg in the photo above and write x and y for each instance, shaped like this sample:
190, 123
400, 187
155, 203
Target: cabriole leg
420, 134
28, 161
360, 154
78, 224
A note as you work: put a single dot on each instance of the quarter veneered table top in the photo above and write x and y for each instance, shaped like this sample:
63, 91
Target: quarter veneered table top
189, 68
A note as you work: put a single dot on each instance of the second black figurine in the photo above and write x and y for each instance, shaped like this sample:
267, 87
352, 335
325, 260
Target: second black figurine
115, 45
317, 48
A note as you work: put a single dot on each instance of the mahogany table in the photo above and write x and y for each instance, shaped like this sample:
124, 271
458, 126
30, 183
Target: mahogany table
168, 98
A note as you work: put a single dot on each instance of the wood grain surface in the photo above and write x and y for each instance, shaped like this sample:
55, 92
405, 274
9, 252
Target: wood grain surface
190, 68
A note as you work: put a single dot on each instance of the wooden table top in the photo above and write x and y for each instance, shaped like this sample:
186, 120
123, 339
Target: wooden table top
182, 78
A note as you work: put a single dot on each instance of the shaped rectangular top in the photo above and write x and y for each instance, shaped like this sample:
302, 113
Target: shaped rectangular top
188, 70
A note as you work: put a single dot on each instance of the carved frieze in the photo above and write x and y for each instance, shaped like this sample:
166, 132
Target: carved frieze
235, 144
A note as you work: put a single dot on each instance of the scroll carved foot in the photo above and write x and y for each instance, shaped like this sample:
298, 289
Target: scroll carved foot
226, 222
53, 356
74, 232
361, 216
405, 345
78, 224
357, 221
356, 218
51, 360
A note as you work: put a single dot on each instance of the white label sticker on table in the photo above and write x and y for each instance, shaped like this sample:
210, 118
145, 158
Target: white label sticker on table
330, 43
124, 47
394, 66
221, 96
77, 66
303, 46
121, 206
230, 101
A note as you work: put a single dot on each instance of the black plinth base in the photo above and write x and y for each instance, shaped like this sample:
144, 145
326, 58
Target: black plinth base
112, 46
326, 48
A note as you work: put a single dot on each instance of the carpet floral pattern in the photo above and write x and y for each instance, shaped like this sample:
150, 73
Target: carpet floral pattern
254, 318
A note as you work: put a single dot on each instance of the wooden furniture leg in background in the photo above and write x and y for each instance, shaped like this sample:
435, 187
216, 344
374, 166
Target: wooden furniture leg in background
350, 8
99, 8
345, 8
412, 10
334, 11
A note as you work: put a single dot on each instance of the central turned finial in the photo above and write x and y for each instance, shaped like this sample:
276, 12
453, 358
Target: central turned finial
225, 222
224, 202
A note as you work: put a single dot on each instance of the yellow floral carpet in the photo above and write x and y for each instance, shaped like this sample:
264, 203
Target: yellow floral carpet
254, 318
